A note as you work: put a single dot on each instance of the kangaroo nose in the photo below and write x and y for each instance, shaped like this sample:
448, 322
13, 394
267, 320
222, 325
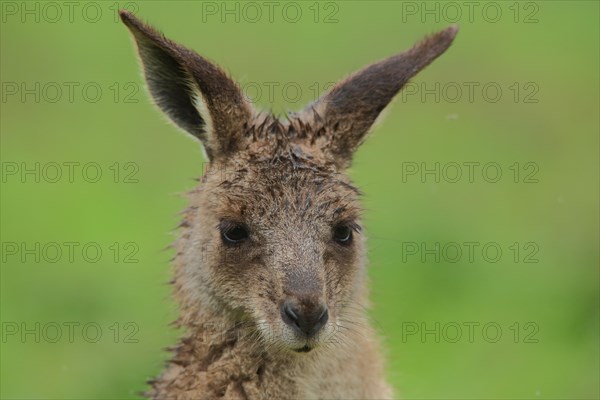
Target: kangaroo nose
306, 320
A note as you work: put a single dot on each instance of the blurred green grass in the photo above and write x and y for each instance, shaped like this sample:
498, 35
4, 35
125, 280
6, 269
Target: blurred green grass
559, 132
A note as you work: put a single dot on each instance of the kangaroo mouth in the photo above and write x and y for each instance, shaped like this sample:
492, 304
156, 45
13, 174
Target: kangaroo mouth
305, 349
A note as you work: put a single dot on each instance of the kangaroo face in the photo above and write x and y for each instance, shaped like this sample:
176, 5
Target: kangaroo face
283, 245
273, 237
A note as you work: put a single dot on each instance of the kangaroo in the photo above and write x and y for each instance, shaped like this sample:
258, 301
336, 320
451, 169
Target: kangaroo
269, 271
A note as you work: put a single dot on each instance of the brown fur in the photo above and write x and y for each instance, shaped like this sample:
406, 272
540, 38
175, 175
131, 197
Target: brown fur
284, 182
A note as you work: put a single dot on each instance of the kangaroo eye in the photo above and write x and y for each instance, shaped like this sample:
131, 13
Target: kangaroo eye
233, 233
342, 234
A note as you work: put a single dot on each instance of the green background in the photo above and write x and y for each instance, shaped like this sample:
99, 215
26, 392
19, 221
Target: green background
548, 50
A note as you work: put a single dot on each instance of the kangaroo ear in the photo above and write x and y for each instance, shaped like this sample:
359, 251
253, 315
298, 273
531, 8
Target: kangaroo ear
349, 109
196, 94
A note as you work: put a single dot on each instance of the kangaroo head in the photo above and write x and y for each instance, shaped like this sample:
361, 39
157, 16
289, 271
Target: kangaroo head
274, 236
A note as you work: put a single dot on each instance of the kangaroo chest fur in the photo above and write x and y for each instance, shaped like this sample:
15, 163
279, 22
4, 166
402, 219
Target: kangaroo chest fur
233, 367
